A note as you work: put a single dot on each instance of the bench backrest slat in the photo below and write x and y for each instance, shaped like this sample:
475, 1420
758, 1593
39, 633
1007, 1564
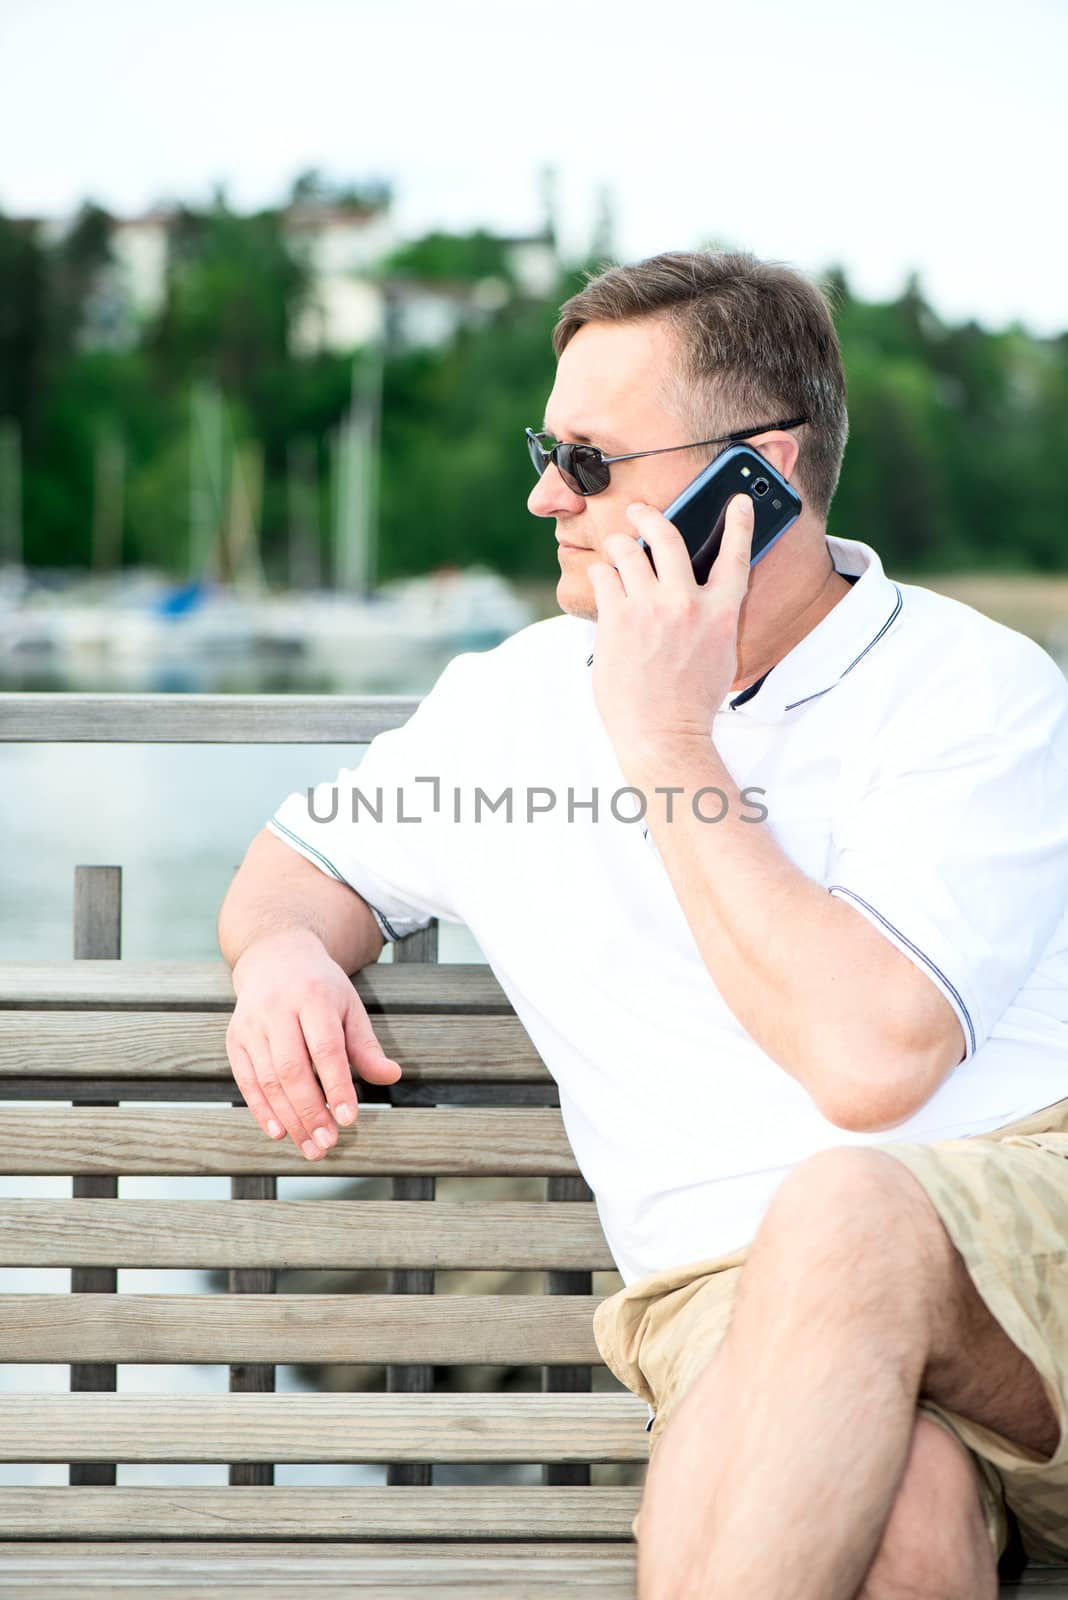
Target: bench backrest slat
204, 1140
206, 986
502, 1235
201, 718
360, 1511
336, 1427
450, 1330
432, 1047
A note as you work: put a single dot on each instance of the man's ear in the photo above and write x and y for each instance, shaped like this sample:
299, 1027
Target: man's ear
781, 449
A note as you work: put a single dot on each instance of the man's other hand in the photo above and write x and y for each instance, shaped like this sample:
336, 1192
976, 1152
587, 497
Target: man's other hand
297, 1032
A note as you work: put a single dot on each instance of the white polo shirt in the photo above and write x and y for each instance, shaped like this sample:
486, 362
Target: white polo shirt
914, 759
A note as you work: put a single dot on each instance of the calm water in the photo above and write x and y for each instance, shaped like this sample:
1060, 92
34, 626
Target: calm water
176, 817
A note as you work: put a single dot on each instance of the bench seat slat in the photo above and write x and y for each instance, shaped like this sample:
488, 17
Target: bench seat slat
385, 1234
477, 1571
455, 1329
123, 1044
323, 1427
224, 1140
536, 1583
207, 986
454, 1571
447, 1511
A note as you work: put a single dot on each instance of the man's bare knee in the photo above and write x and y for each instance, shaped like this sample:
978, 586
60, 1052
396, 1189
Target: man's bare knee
849, 1189
852, 1217
935, 1544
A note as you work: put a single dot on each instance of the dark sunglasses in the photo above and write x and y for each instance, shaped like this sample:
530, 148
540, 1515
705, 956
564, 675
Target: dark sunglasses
584, 468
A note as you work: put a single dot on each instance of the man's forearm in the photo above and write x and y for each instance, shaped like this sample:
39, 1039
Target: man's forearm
276, 891
808, 978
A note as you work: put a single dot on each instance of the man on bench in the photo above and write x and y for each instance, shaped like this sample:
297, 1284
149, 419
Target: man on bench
775, 872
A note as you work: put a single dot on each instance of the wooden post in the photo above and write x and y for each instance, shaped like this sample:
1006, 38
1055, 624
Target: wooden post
569, 1380
97, 937
412, 1379
252, 1377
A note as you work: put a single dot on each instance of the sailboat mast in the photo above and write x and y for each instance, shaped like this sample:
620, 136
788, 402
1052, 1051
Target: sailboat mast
10, 493
374, 372
356, 478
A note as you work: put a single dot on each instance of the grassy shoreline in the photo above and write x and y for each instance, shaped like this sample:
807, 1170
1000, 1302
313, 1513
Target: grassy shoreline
1033, 603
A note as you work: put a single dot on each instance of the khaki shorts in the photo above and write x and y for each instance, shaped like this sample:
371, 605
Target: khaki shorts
1003, 1198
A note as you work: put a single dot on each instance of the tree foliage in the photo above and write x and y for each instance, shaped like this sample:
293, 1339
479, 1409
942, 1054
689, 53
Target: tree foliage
451, 258
956, 431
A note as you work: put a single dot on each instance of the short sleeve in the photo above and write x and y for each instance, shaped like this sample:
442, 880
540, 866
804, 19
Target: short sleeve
958, 849
380, 826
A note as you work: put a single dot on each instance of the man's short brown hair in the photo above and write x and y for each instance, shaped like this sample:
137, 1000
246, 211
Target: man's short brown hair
758, 342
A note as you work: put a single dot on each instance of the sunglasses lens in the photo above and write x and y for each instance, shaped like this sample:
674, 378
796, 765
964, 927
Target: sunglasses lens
589, 468
565, 466
582, 468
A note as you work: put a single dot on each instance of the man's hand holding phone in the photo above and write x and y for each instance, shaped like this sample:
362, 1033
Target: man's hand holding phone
666, 650
297, 1032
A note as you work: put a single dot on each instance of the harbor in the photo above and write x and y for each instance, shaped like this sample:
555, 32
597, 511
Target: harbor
141, 632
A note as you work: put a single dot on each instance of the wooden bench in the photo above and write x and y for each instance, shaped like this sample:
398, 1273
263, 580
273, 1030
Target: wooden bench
475, 1102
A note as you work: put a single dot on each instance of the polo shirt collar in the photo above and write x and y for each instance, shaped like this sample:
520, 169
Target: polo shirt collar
836, 646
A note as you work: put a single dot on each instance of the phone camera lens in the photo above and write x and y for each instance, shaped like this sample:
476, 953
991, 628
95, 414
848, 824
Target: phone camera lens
761, 486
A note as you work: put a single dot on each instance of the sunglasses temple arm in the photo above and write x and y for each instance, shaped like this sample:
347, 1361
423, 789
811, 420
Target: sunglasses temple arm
727, 438
724, 438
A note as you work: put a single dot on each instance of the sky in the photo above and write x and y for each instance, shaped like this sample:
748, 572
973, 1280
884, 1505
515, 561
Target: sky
923, 137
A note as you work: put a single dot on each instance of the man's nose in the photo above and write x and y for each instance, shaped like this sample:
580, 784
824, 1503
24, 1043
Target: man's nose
551, 497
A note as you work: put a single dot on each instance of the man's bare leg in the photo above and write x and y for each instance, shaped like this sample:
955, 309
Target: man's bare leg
779, 1470
936, 1542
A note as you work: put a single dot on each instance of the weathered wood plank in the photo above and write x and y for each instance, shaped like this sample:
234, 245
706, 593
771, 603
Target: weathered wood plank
322, 1512
192, 1044
97, 913
410, 1377
201, 718
284, 1582
536, 1581
211, 1139
97, 937
519, 1571
330, 1234
422, 945
523, 1329
207, 986
252, 1377
566, 1380
323, 1427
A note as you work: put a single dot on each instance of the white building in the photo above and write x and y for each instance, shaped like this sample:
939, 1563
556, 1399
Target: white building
341, 246
351, 301
139, 247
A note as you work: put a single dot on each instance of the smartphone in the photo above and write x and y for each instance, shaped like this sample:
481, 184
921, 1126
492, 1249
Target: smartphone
700, 511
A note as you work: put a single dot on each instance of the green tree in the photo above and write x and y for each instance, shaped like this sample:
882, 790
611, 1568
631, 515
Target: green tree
953, 460
23, 264
233, 290
452, 258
